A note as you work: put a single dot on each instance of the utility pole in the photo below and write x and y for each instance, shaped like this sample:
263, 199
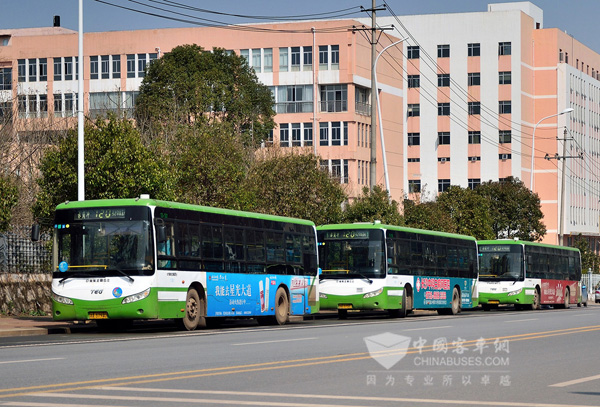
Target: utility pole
373, 133
561, 220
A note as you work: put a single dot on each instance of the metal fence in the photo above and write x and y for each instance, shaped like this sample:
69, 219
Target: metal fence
18, 254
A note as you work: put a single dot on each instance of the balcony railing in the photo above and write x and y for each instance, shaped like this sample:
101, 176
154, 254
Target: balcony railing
334, 106
363, 108
294, 107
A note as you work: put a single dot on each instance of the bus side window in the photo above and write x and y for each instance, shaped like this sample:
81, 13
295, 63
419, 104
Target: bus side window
166, 248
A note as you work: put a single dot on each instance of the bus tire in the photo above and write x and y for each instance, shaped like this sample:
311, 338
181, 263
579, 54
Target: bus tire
194, 311
282, 307
456, 302
567, 303
536, 300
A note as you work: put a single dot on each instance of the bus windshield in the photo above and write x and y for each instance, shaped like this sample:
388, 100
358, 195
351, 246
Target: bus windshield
351, 253
500, 262
103, 248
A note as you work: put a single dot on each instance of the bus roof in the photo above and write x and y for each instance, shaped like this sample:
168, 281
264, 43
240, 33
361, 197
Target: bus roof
392, 227
144, 201
524, 242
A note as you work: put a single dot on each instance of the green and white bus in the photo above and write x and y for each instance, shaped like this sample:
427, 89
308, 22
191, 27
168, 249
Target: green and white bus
127, 259
527, 274
398, 269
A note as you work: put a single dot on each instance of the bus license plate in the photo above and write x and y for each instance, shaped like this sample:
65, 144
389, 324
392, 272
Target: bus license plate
98, 315
493, 302
344, 306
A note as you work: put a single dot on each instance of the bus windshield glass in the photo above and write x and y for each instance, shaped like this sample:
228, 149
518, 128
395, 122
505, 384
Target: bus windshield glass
500, 262
351, 253
101, 246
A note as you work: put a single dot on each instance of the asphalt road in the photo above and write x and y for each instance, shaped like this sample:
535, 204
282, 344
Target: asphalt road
542, 358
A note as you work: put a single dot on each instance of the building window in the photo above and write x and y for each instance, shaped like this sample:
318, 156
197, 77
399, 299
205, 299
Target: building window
334, 98
284, 135
256, 60
336, 134
93, 67
504, 48
443, 185
43, 105
335, 57
58, 106
474, 137
69, 105
474, 182
443, 138
504, 78
474, 79
131, 65
504, 136
412, 52
32, 76
21, 70
443, 109
323, 57
307, 57
43, 64
116, 66
105, 66
414, 185
283, 59
57, 68
68, 68
296, 135
504, 107
323, 134
308, 134
443, 51
295, 58
414, 81
141, 65
414, 139
443, 79
473, 50
474, 107
268, 60
5, 78
294, 99
414, 110
361, 99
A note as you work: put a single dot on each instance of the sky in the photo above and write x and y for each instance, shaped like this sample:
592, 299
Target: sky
578, 18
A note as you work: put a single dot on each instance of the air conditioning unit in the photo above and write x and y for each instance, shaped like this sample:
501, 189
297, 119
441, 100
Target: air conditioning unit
504, 157
442, 160
473, 158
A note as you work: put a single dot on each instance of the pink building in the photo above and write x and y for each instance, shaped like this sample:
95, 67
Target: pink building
460, 104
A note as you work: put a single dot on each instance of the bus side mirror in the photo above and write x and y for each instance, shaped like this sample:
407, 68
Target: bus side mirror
35, 232
161, 233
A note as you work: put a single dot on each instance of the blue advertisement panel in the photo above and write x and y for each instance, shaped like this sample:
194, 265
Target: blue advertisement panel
239, 295
436, 292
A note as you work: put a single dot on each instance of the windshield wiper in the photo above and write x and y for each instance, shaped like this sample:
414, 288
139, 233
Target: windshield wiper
117, 268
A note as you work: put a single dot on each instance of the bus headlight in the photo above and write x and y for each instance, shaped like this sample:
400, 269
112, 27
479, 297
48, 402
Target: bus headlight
324, 296
136, 297
61, 299
516, 292
373, 293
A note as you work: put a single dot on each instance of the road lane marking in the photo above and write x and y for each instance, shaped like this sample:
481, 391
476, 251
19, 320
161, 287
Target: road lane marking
521, 320
424, 329
576, 381
286, 396
281, 340
270, 366
28, 360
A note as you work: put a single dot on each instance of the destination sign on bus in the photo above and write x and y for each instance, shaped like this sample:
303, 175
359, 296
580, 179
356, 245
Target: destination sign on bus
494, 248
346, 234
100, 213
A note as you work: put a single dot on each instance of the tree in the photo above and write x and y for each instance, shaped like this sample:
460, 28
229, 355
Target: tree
190, 85
427, 215
515, 210
9, 195
589, 259
117, 165
292, 184
373, 205
211, 164
469, 212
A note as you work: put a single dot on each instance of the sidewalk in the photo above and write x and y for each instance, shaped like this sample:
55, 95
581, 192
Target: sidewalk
29, 326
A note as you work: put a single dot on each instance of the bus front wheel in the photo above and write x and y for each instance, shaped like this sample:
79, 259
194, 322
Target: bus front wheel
194, 311
536, 300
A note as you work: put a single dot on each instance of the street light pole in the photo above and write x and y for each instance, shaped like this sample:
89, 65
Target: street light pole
383, 154
568, 110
